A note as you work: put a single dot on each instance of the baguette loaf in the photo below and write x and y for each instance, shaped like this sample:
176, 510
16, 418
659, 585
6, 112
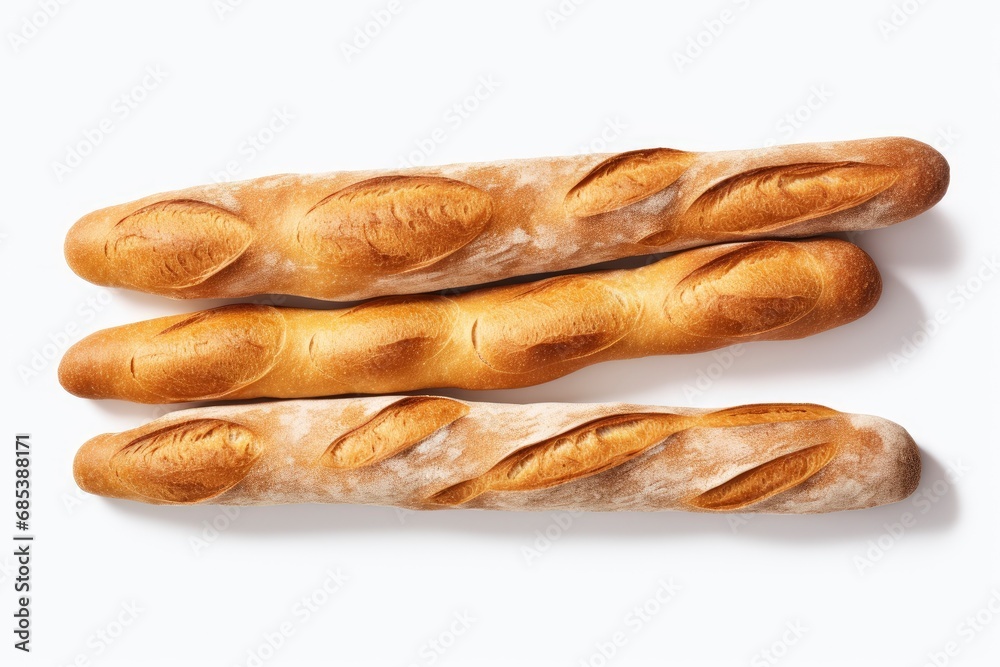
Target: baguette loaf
493, 338
355, 235
426, 452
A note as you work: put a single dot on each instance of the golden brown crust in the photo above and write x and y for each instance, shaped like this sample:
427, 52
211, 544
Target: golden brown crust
354, 235
751, 290
367, 344
188, 462
555, 320
394, 223
767, 479
584, 451
773, 197
227, 348
626, 178
174, 244
427, 452
399, 426
487, 339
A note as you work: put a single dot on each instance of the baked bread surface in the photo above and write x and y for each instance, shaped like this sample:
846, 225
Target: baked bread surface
429, 452
355, 235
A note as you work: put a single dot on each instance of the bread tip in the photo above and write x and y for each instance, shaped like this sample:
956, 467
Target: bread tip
83, 463
936, 160
80, 366
911, 462
904, 465
72, 250
870, 280
82, 245
907, 464
853, 277
930, 173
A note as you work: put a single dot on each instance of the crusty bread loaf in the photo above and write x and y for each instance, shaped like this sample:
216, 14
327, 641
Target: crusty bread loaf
427, 452
355, 235
492, 338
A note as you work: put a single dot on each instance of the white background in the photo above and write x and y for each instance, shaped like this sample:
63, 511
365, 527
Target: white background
608, 64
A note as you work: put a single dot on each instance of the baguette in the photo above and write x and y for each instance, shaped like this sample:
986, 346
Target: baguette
500, 337
426, 452
356, 235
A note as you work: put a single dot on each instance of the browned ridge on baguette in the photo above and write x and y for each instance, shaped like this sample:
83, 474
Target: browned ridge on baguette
492, 338
355, 235
427, 452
